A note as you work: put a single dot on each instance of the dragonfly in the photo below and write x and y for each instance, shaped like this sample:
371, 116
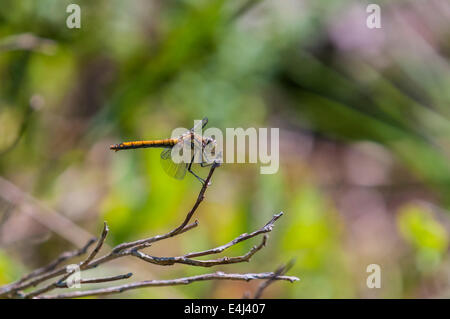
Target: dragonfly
202, 149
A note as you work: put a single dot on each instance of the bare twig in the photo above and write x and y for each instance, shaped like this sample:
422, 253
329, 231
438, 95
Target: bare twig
265, 229
18, 286
184, 225
153, 239
172, 282
168, 261
99, 280
121, 250
27, 41
34, 104
41, 213
117, 252
200, 198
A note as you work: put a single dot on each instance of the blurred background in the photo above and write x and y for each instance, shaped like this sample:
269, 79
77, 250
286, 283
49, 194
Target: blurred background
364, 138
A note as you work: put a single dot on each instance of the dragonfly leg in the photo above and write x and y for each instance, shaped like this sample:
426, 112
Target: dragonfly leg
192, 172
207, 162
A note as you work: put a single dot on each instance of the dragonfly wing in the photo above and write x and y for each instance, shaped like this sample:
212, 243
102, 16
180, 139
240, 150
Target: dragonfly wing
202, 123
165, 154
176, 170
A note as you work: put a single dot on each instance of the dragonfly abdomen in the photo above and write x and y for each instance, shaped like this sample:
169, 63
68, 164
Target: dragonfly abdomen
144, 144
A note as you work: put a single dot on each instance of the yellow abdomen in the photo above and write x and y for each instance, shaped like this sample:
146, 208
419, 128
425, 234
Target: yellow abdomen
144, 144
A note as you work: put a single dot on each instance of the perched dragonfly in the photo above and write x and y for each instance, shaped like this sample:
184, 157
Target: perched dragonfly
202, 148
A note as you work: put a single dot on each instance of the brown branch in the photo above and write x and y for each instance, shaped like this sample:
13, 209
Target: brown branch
187, 259
153, 239
118, 251
22, 283
172, 282
166, 261
97, 247
200, 198
121, 250
244, 8
183, 227
265, 229
82, 265
133, 249
10, 289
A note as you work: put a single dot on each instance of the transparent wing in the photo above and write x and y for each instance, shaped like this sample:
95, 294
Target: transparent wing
202, 123
176, 170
